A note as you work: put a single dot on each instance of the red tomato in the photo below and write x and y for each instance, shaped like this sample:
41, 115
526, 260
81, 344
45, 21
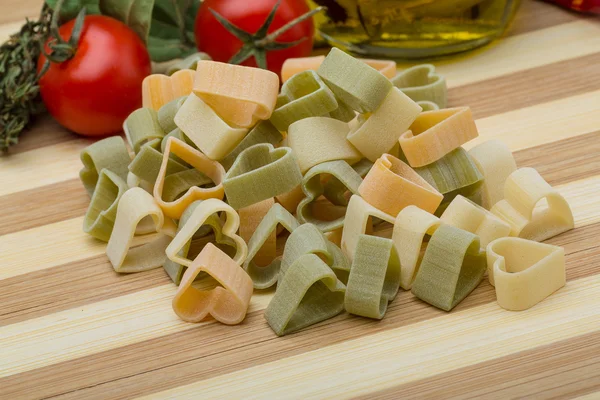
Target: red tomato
93, 92
249, 15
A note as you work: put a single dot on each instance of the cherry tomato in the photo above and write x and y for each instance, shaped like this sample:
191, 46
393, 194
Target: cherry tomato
94, 91
249, 15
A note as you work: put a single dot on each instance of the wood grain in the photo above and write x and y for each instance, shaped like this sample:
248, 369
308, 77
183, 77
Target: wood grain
71, 328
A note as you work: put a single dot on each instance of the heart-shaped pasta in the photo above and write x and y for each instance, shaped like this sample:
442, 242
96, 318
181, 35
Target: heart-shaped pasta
159, 89
422, 83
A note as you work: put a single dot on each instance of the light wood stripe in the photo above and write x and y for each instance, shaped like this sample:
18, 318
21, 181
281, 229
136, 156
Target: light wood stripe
25, 344
521, 52
557, 370
409, 353
550, 122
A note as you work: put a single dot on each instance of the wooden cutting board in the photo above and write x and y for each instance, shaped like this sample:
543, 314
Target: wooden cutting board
71, 328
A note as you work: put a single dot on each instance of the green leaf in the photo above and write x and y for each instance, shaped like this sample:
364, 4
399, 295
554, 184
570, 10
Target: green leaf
137, 14
71, 8
167, 49
163, 30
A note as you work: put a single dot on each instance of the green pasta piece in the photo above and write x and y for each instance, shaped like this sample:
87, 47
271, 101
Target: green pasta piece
360, 86
374, 277
263, 132
265, 277
428, 105
454, 174
190, 62
178, 134
335, 191
308, 293
343, 112
261, 172
453, 265
110, 154
212, 224
147, 162
142, 127
303, 95
99, 218
178, 183
166, 114
313, 189
422, 83
308, 239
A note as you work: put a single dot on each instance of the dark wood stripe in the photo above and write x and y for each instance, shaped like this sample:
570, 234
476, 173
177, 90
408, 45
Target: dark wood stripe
536, 15
207, 351
564, 369
529, 87
42, 206
559, 163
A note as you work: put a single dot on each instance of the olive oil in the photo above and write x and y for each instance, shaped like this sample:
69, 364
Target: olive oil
412, 28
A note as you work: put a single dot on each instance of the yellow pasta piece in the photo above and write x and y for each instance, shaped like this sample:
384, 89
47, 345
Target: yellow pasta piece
391, 185
436, 133
197, 160
410, 228
495, 162
213, 136
292, 66
199, 216
523, 190
524, 272
136, 205
378, 132
250, 218
319, 139
227, 303
464, 214
240, 95
158, 89
358, 217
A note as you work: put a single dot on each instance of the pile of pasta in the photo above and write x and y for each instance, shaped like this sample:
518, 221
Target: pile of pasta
222, 165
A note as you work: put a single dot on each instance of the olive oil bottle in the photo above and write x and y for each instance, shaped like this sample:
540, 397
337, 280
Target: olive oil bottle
412, 28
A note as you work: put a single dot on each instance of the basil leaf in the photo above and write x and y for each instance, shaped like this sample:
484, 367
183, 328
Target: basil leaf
167, 49
137, 14
70, 8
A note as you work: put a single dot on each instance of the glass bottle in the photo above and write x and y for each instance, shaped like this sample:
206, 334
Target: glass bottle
412, 28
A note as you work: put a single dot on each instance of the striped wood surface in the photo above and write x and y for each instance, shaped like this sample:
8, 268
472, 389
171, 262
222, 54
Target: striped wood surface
71, 328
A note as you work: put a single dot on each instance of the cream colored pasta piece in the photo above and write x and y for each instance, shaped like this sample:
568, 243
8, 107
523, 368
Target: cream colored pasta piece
391, 185
422, 83
495, 162
308, 293
141, 127
227, 303
524, 272
523, 190
197, 160
313, 189
378, 132
410, 228
198, 218
100, 216
358, 85
110, 154
308, 239
466, 215
266, 275
135, 205
240, 95
304, 95
436, 133
213, 136
158, 89
319, 139
374, 277
358, 217
275, 169
453, 265
250, 218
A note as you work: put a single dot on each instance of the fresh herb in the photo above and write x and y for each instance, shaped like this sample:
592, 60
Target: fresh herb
19, 91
